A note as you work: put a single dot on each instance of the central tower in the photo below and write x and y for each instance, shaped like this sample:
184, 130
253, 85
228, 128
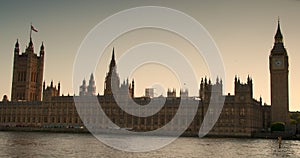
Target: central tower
112, 80
279, 76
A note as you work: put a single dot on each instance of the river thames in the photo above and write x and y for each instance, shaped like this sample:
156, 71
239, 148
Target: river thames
35, 144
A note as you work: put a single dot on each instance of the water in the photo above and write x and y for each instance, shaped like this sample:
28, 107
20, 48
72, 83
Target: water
31, 144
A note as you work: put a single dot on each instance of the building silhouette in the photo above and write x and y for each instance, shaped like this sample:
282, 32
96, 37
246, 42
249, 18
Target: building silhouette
241, 115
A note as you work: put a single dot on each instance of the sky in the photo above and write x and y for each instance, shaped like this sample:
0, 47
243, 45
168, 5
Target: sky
242, 30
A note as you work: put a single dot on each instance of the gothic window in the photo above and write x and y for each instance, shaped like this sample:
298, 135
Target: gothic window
148, 120
226, 111
19, 76
242, 112
242, 122
24, 76
34, 79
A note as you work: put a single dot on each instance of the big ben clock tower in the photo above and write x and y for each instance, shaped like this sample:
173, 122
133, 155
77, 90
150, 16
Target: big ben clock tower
279, 75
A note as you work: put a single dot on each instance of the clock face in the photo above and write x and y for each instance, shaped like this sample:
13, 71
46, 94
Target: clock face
278, 63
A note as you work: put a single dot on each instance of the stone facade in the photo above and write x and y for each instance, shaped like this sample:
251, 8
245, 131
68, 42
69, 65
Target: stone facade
241, 115
27, 74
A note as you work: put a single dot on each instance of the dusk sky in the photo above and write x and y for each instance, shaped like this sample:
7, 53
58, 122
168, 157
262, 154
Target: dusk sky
243, 31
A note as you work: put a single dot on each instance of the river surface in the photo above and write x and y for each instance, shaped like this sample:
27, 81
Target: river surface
35, 144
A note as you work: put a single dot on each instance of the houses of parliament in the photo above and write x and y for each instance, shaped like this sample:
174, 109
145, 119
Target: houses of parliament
35, 105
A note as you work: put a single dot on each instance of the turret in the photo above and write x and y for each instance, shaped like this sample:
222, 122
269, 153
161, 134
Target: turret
260, 100
91, 89
42, 50
83, 89
17, 48
44, 86
201, 95
132, 88
30, 48
58, 89
249, 80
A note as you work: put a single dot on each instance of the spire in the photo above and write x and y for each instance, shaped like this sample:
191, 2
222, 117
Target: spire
91, 81
42, 50
17, 49
92, 76
132, 88
278, 47
44, 86
113, 54
91, 89
84, 82
83, 88
30, 48
58, 90
249, 79
260, 100
112, 62
42, 46
278, 37
17, 44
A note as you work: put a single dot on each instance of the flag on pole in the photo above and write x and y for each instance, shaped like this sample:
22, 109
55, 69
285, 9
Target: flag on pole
33, 29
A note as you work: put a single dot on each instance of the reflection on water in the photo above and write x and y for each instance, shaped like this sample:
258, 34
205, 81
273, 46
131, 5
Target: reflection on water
27, 144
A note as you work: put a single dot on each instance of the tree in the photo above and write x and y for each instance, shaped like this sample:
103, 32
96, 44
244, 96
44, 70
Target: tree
277, 126
293, 121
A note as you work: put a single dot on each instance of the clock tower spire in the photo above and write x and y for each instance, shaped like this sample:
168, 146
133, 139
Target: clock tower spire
279, 78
